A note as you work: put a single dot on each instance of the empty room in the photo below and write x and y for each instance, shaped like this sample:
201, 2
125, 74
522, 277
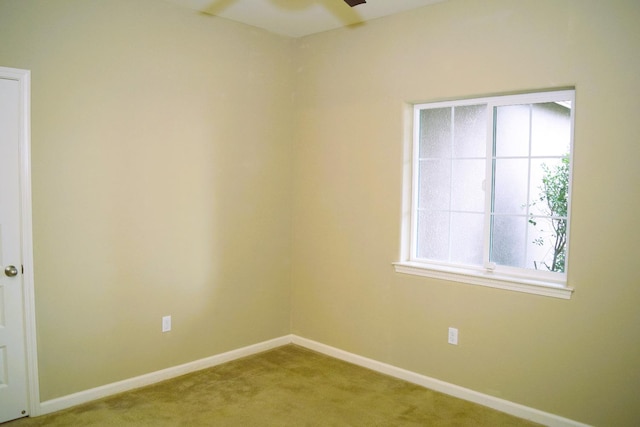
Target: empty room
442, 192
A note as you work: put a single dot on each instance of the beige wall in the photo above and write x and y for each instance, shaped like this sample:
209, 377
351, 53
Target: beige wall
164, 181
161, 155
576, 358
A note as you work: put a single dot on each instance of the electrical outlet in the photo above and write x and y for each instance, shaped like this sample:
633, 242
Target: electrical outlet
453, 336
166, 323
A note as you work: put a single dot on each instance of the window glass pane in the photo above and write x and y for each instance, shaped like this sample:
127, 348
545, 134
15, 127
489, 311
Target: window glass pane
433, 236
546, 245
508, 234
470, 131
510, 188
466, 191
512, 131
527, 183
435, 133
467, 238
435, 184
550, 129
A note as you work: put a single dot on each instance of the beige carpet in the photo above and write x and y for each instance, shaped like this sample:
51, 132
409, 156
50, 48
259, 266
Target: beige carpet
288, 386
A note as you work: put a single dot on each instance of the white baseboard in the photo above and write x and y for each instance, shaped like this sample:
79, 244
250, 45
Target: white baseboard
501, 405
85, 396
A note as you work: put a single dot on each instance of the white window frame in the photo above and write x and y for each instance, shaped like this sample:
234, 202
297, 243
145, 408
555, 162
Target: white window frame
503, 277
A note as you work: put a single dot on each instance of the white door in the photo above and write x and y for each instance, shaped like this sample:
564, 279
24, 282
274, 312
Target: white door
13, 362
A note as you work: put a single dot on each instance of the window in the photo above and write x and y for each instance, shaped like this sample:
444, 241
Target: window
489, 192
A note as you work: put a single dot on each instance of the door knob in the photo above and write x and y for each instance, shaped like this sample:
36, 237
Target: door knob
11, 271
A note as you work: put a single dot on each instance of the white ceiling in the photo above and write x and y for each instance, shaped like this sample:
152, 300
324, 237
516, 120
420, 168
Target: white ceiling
296, 18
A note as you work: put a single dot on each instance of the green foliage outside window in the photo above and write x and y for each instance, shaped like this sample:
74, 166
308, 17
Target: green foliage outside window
553, 197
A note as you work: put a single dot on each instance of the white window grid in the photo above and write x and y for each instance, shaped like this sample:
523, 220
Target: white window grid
527, 275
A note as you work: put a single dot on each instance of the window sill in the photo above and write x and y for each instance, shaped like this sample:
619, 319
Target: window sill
483, 278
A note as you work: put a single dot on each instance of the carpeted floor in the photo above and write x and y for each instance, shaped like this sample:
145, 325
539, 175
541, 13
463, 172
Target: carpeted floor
287, 386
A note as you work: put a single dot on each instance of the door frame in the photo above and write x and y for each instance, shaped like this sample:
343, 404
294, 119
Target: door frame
23, 77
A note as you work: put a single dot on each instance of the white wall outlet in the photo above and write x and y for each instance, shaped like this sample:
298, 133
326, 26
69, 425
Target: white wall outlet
166, 323
453, 336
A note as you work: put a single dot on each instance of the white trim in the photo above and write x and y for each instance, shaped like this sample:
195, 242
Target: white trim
498, 404
85, 396
23, 77
501, 405
485, 278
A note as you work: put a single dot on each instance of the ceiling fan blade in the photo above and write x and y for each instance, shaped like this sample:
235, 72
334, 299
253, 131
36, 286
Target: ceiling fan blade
354, 2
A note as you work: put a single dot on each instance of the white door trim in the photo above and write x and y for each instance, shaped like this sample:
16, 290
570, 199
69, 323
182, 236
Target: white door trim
23, 77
